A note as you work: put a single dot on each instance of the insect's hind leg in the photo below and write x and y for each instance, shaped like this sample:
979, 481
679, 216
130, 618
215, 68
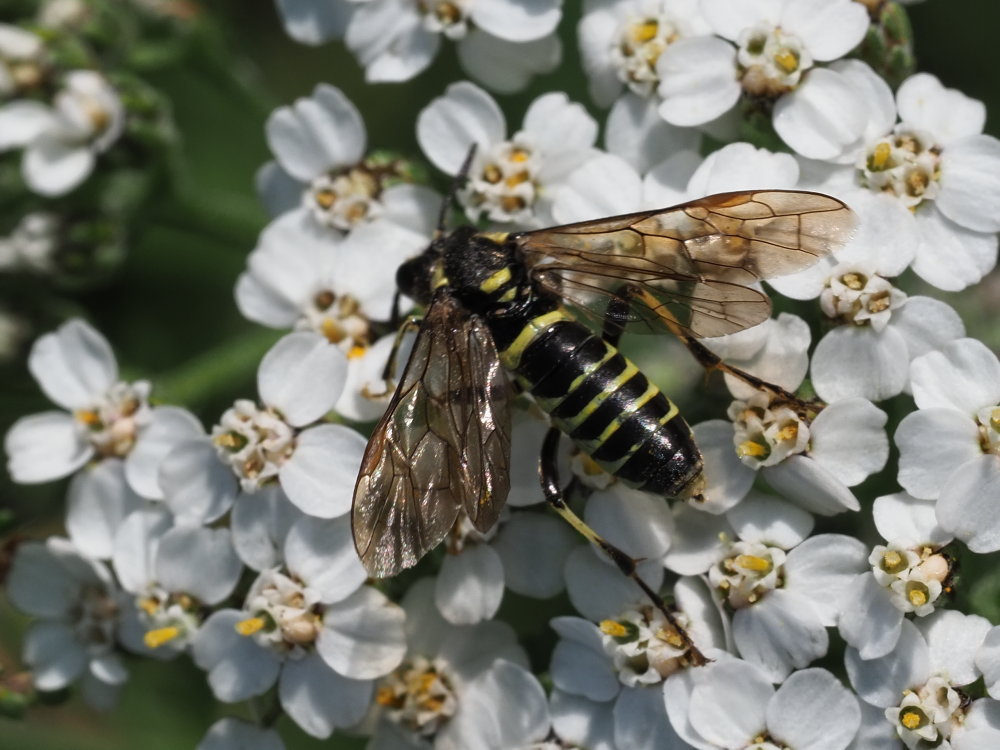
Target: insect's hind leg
413, 321
548, 473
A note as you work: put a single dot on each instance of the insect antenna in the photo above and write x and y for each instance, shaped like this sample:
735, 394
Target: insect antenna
460, 178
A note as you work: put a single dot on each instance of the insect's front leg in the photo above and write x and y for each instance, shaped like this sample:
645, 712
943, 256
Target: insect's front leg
548, 473
412, 321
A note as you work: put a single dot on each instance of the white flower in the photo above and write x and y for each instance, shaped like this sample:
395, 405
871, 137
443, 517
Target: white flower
919, 683
321, 169
76, 602
450, 675
311, 626
173, 573
61, 143
957, 391
732, 704
108, 419
907, 575
22, 60
510, 180
925, 184
234, 734
312, 22
612, 673
502, 43
283, 440
784, 589
701, 78
621, 41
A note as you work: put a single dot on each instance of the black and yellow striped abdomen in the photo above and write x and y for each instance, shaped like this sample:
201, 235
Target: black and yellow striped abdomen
601, 400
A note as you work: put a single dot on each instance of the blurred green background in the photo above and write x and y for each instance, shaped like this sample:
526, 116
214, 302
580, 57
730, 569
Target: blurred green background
169, 310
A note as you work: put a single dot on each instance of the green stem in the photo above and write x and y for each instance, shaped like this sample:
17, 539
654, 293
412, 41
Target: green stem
212, 374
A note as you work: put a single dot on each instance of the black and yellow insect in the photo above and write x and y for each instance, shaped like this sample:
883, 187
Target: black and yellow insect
502, 306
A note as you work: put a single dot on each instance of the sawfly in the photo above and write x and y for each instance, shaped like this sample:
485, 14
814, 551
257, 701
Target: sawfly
506, 308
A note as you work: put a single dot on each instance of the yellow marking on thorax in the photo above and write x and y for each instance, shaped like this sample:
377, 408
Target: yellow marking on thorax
497, 237
496, 281
511, 356
438, 279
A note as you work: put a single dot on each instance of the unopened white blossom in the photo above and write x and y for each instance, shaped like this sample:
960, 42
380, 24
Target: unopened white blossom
23, 58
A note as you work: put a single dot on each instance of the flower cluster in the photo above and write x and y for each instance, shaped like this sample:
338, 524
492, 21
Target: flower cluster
850, 450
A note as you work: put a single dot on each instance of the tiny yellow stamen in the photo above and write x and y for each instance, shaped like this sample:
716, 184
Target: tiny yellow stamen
917, 182
250, 625
325, 198
357, 351
613, 628
788, 433
230, 440
995, 419
385, 696
512, 203
879, 157
754, 563
149, 606
671, 637
519, 155
517, 179
752, 449
917, 596
853, 281
892, 561
89, 417
787, 60
492, 174
912, 718
643, 32
156, 638
878, 304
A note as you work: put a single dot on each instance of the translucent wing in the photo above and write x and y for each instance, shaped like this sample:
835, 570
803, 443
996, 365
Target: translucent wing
443, 445
693, 263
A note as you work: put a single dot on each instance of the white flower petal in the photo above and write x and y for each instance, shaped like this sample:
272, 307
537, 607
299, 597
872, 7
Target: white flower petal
579, 665
582, 722
741, 166
237, 667
450, 124
824, 118
858, 361
197, 486
603, 186
322, 555
729, 707
967, 505
516, 20
99, 499
302, 376
556, 124
828, 28
319, 477
52, 166
641, 721
779, 633
234, 734
953, 638
318, 699
769, 520
533, 548
697, 543
697, 80
932, 444
469, 586
260, 523
363, 635
881, 681
805, 695
74, 365
947, 113
309, 22
135, 548
908, 521
54, 654
317, 134
848, 439
821, 569
988, 660
728, 18
927, 323
727, 480
868, 619
22, 121
168, 426
46, 446
505, 66
963, 375
598, 590
638, 523
810, 485
950, 256
970, 185
636, 132
503, 707
278, 190
198, 561
39, 584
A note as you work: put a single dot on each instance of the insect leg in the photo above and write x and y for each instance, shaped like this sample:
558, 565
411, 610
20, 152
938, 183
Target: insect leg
704, 356
548, 473
412, 321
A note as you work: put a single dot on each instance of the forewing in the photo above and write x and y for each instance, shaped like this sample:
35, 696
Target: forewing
443, 443
695, 263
